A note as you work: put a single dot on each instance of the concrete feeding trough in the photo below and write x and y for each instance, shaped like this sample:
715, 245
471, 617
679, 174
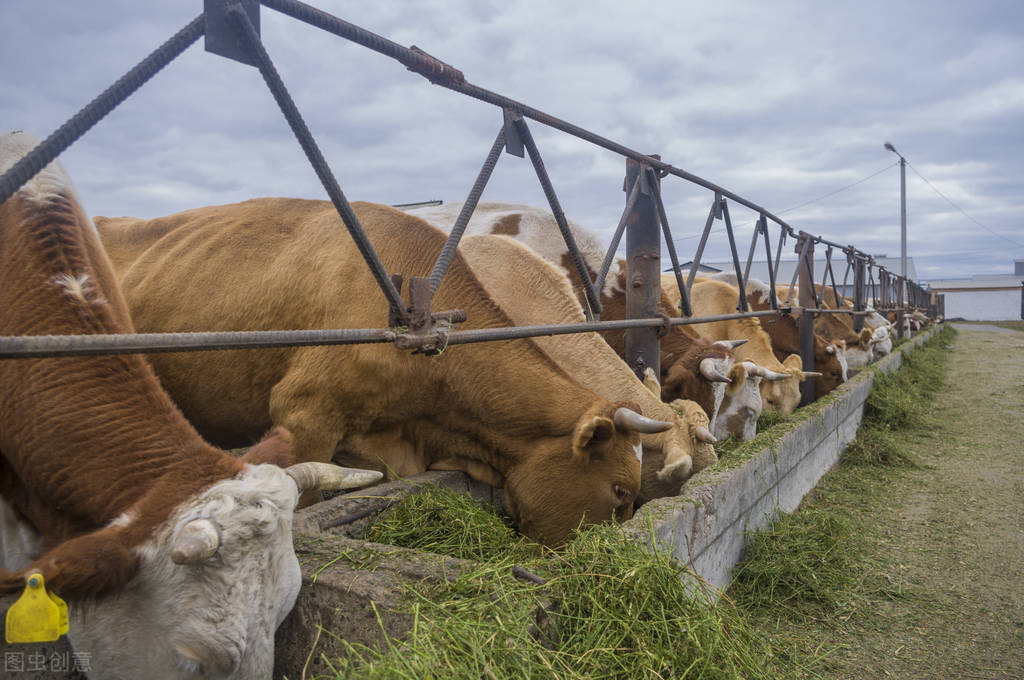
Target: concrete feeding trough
350, 586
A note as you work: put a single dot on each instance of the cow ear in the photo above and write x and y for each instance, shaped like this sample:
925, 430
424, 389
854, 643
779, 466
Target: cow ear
275, 448
591, 436
85, 567
865, 337
737, 377
793, 362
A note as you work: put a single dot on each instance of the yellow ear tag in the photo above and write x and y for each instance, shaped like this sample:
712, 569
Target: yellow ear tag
36, 616
62, 609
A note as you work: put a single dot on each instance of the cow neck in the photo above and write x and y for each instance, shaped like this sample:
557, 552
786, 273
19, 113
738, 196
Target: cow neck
102, 433
554, 401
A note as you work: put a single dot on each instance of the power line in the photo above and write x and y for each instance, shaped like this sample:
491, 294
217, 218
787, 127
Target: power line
848, 186
994, 233
813, 200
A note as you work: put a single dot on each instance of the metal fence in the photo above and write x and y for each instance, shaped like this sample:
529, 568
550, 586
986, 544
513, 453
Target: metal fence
231, 29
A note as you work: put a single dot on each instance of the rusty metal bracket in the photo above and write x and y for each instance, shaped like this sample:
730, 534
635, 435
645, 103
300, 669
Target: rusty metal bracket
427, 332
433, 69
665, 327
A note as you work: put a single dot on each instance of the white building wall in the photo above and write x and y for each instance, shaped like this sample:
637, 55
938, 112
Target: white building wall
983, 305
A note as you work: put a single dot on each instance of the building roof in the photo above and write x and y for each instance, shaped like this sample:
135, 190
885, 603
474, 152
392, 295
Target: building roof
977, 281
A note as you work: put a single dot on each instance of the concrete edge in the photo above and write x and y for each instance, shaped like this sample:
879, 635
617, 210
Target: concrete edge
706, 526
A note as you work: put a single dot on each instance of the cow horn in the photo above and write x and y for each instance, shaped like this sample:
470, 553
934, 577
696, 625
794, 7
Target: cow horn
730, 344
754, 369
197, 541
812, 374
628, 419
704, 435
709, 370
327, 477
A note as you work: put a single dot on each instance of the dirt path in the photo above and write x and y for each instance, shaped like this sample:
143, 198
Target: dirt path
954, 538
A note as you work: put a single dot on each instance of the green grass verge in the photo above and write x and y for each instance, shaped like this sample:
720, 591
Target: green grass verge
813, 562
1012, 325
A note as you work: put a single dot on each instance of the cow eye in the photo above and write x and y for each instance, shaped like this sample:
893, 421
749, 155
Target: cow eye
620, 491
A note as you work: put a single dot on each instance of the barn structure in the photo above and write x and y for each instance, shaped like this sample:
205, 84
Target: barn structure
984, 297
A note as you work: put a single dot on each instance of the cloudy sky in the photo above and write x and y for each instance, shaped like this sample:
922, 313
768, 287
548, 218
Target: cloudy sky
787, 104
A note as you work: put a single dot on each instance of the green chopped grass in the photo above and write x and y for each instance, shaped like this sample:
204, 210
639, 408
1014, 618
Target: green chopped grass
609, 608
806, 560
440, 521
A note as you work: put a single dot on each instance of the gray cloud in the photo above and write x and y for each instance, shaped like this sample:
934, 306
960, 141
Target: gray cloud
780, 102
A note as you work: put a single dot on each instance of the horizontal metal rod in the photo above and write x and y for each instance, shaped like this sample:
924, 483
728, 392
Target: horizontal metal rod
37, 346
30, 346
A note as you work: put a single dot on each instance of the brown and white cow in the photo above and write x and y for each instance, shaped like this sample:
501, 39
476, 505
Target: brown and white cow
829, 358
175, 558
836, 328
781, 391
880, 342
534, 292
691, 367
503, 412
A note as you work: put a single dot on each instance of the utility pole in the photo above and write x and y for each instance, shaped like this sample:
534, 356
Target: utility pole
903, 209
903, 224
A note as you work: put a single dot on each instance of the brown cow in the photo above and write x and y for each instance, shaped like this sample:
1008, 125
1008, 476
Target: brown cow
534, 292
829, 358
691, 367
175, 558
836, 328
504, 412
716, 297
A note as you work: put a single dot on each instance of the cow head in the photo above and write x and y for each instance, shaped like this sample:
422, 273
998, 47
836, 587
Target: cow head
742, 404
781, 392
881, 341
553, 491
699, 374
673, 456
830, 361
859, 353
213, 582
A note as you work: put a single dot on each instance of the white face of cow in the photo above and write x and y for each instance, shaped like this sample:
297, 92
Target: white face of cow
212, 619
881, 342
857, 356
840, 353
740, 409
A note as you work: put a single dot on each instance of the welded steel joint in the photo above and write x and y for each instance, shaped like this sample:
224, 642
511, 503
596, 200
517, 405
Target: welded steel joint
417, 328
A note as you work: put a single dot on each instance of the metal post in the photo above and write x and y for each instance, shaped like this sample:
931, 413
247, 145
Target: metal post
643, 271
903, 217
858, 292
900, 283
805, 245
